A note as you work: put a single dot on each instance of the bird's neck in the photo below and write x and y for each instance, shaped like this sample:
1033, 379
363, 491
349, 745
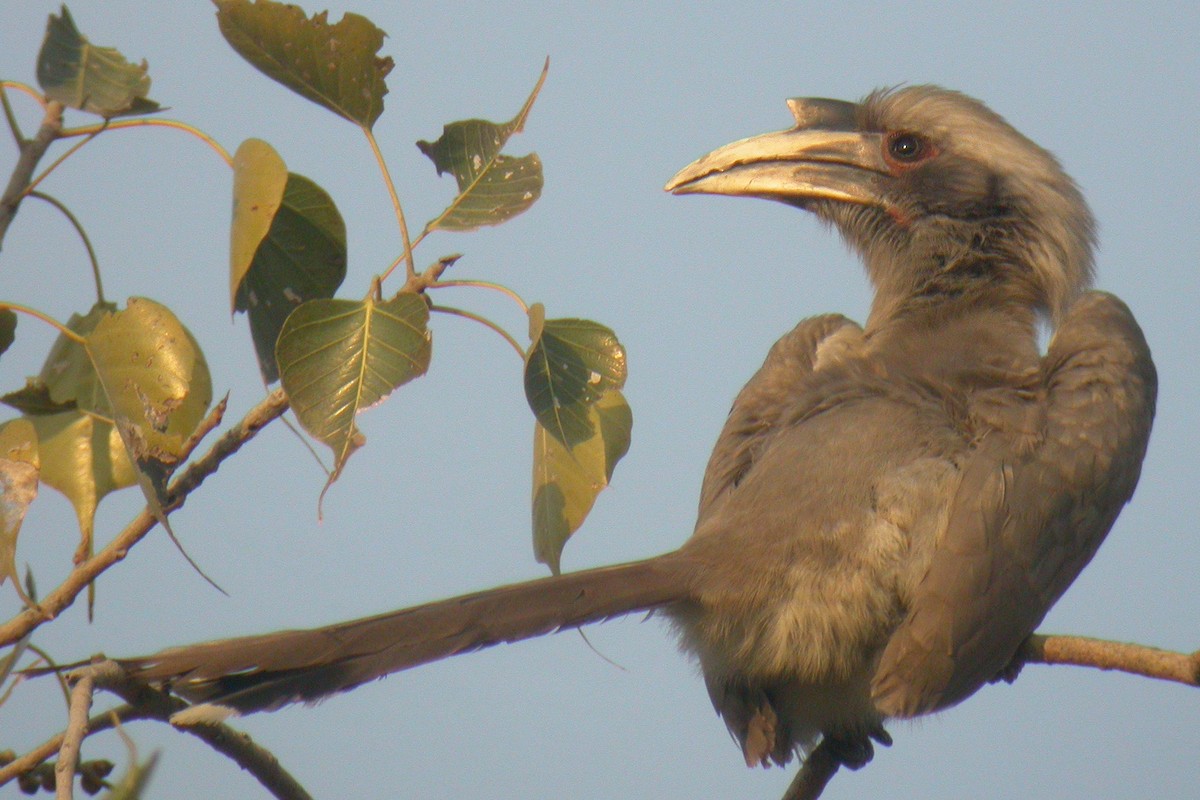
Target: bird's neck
957, 320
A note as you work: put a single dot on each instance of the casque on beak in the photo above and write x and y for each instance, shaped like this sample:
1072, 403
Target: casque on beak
824, 157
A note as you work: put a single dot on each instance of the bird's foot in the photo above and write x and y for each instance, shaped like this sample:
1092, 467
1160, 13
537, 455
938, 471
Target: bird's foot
855, 751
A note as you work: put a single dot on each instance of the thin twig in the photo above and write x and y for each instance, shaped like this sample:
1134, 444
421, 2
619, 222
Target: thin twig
32, 151
77, 720
98, 723
187, 482
144, 702
238, 746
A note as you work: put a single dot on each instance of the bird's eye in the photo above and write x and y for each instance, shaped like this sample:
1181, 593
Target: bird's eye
907, 148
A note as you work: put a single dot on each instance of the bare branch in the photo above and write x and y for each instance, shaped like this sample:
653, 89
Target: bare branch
77, 727
98, 723
145, 702
32, 151
1135, 659
818, 769
62, 597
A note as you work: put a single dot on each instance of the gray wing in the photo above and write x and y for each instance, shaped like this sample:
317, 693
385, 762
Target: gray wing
1028, 515
765, 399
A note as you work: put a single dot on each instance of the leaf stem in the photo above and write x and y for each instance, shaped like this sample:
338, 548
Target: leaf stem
91, 130
55, 164
496, 287
13, 125
82, 235
407, 255
458, 312
46, 318
25, 88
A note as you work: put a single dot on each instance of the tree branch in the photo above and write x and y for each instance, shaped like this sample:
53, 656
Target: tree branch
98, 723
1135, 659
147, 703
77, 728
32, 151
816, 771
62, 597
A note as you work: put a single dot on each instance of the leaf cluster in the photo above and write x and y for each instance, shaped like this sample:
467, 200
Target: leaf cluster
124, 392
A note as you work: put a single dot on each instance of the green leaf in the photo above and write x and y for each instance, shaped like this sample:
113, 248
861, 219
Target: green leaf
492, 187
569, 366
81, 75
302, 258
18, 488
566, 481
68, 373
83, 458
340, 357
34, 399
8, 328
157, 384
334, 66
259, 178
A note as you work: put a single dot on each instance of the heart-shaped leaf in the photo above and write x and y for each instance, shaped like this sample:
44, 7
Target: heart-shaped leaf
566, 481
259, 178
334, 66
492, 187
83, 457
18, 488
302, 258
78, 74
338, 358
571, 363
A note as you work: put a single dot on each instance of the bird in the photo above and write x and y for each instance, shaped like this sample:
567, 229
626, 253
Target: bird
890, 508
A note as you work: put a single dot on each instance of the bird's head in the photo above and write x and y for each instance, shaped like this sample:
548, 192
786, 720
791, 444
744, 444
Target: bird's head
939, 194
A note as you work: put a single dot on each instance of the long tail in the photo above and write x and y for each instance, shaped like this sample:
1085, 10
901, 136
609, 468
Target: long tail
258, 673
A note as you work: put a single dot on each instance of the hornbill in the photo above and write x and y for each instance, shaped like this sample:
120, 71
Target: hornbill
891, 509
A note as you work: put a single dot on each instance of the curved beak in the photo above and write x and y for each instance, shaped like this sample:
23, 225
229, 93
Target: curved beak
824, 157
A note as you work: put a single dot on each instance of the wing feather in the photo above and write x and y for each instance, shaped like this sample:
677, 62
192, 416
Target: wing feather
1026, 519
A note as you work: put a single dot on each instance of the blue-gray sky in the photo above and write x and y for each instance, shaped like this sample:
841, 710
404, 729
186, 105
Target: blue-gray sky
697, 289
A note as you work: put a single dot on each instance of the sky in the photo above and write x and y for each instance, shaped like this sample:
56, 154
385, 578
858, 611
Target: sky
697, 288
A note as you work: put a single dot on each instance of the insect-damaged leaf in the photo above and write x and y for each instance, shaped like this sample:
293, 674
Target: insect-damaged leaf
18, 488
302, 258
334, 66
340, 357
78, 74
156, 386
567, 481
571, 363
492, 188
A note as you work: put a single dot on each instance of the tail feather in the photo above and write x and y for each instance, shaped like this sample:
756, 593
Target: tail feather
258, 673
